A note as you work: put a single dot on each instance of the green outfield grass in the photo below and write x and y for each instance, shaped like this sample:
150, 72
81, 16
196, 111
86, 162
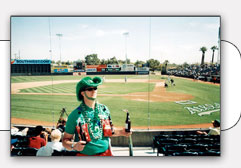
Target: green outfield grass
108, 88
47, 107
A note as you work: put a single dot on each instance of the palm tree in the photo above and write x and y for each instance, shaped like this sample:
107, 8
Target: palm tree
213, 48
203, 49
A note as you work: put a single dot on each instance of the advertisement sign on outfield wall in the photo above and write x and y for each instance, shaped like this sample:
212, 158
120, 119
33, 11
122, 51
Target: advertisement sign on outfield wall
23, 61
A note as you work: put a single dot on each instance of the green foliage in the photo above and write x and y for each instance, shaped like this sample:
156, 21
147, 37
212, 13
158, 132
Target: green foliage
92, 59
112, 60
153, 64
203, 49
139, 63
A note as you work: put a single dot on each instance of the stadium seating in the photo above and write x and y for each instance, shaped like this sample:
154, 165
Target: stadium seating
209, 153
167, 143
197, 147
187, 141
64, 153
156, 139
204, 72
214, 147
58, 153
22, 141
24, 151
170, 149
186, 144
185, 154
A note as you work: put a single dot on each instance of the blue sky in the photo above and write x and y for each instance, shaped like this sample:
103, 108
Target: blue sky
177, 39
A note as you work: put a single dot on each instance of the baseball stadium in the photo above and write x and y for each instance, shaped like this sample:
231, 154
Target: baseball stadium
167, 106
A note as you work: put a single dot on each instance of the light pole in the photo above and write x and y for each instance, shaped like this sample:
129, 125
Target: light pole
126, 34
59, 35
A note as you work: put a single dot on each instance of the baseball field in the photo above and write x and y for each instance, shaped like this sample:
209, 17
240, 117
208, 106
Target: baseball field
187, 104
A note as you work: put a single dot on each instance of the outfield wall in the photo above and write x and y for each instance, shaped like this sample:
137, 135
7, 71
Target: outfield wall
119, 73
30, 74
87, 73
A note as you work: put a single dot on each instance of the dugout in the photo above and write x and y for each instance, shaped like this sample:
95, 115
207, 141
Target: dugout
30, 67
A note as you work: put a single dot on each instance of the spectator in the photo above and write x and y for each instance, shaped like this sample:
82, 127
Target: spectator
165, 85
213, 131
172, 82
48, 130
13, 142
53, 145
15, 131
39, 139
169, 79
61, 125
103, 78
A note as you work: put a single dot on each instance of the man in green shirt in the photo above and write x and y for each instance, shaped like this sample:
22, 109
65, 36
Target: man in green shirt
94, 118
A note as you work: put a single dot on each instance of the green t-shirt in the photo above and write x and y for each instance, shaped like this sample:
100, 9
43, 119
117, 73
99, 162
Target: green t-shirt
85, 114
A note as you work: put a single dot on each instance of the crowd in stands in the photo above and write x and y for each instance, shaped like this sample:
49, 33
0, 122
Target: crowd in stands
40, 141
204, 72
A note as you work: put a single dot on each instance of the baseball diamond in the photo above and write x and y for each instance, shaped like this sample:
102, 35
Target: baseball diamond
38, 101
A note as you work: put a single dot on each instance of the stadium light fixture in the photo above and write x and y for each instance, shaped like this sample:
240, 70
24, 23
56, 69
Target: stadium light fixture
59, 35
126, 34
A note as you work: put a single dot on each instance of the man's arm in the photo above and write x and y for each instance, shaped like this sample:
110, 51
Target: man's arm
45, 136
70, 145
202, 133
121, 132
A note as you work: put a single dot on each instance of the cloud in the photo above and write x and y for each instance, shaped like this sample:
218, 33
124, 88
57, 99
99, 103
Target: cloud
194, 24
212, 26
84, 26
204, 25
101, 33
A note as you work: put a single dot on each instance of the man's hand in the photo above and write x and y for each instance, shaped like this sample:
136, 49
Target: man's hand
122, 132
79, 146
45, 134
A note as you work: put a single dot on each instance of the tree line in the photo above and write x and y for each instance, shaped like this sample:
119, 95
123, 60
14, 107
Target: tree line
153, 64
93, 59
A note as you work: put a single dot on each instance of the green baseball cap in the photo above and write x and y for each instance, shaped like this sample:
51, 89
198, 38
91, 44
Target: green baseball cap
85, 83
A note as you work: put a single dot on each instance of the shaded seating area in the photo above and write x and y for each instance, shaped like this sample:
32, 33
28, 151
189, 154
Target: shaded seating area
21, 146
186, 143
64, 153
22, 141
24, 151
27, 151
166, 143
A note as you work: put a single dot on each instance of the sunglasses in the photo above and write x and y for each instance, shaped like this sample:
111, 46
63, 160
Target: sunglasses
91, 89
